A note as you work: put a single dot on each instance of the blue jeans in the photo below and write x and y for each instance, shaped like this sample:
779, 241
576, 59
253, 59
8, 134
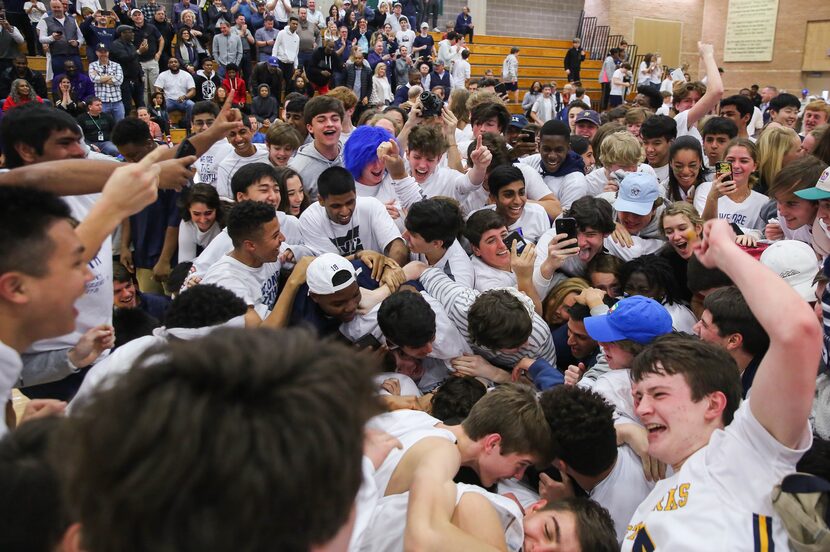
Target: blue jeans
106, 147
116, 109
185, 107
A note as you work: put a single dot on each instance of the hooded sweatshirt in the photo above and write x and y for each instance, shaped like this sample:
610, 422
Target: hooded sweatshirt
568, 182
267, 107
309, 163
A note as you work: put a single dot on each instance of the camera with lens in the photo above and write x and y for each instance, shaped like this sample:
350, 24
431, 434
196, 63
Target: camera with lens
627, 79
431, 104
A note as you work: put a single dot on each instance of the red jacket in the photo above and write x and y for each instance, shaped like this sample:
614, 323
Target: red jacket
241, 90
9, 103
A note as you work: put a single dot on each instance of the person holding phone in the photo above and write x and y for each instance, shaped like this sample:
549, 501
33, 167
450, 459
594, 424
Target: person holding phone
731, 196
62, 35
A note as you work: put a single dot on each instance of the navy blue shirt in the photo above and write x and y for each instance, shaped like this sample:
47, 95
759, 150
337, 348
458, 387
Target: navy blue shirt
148, 228
154, 304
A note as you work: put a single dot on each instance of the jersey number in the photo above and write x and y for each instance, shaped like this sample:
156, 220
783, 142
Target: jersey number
642, 542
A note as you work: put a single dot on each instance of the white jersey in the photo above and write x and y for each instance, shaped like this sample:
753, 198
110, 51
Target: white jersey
370, 228
232, 163
720, 497
207, 166
622, 491
385, 531
746, 214
256, 286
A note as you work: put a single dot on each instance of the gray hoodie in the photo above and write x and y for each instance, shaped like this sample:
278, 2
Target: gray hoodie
309, 163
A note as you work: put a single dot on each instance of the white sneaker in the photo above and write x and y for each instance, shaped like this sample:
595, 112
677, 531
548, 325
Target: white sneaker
436, 30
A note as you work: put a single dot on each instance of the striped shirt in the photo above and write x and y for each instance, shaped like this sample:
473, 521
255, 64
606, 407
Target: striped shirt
457, 300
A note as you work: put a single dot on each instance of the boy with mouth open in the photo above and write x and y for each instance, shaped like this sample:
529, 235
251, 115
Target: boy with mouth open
563, 170
726, 454
324, 121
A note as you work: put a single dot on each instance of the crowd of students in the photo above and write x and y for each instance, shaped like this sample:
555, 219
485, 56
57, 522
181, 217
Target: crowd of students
430, 327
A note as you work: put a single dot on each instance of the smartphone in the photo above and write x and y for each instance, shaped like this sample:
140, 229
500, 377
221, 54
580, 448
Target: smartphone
515, 237
723, 167
368, 341
566, 225
736, 229
527, 136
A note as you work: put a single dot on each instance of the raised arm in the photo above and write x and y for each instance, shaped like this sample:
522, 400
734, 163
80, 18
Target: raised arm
782, 392
714, 86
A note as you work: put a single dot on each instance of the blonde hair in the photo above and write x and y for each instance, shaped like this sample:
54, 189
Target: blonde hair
482, 96
819, 105
414, 92
557, 295
620, 148
382, 116
775, 142
680, 208
637, 115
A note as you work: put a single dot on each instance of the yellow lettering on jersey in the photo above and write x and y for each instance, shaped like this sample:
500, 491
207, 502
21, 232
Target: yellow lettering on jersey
683, 493
632, 530
677, 497
670, 502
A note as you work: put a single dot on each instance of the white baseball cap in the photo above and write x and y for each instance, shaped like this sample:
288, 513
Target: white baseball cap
329, 273
796, 263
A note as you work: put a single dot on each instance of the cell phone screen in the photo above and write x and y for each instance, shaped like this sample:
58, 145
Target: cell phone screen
723, 167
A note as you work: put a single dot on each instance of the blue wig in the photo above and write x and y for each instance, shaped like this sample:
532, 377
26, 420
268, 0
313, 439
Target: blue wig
362, 148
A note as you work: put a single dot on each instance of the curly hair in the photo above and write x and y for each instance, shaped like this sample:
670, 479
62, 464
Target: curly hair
203, 306
582, 427
657, 271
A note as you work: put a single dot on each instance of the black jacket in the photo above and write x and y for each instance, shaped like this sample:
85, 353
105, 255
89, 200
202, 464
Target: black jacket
321, 61
124, 54
262, 75
365, 84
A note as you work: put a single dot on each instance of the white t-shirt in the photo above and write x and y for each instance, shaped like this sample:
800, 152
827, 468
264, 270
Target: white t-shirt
175, 86
10, 368
383, 192
207, 166
488, 277
662, 173
95, 305
567, 189
460, 73
370, 228
232, 163
720, 497
641, 246
746, 214
681, 120
615, 388
598, 178
256, 286
191, 239
532, 224
623, 490
443, 182
455, 263
617, 90
682, 318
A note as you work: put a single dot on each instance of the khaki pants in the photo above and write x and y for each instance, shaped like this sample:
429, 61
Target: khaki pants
146, 283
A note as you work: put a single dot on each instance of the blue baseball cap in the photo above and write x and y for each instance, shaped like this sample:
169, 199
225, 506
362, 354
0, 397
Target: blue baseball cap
638, 192
636, 318
518, 121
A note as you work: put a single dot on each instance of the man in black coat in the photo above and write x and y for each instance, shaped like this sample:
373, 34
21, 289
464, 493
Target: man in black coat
124, 53
322, 66
268, 72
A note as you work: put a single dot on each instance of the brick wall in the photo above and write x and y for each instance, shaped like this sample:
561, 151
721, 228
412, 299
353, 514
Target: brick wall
555, 19
784, 70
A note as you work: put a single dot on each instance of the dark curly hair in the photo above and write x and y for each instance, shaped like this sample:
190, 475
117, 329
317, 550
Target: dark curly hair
658, 273
582, 427
453, 401
202, 306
